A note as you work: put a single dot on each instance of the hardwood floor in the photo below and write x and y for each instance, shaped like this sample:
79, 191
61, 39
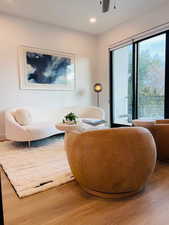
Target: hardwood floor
69, 205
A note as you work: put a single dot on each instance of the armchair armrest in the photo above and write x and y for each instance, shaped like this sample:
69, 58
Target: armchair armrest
13, 130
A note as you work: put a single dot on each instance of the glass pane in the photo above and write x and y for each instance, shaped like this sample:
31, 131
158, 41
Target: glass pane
122, 85
151, 77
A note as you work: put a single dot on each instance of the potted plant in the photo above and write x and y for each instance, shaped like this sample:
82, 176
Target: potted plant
70, 119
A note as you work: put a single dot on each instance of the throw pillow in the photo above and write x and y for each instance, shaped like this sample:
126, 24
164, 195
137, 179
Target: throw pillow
23, 116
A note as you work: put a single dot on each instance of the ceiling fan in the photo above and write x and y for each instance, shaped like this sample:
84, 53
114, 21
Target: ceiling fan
106, 5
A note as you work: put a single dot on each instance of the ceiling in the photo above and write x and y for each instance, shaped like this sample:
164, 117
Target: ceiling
75, 14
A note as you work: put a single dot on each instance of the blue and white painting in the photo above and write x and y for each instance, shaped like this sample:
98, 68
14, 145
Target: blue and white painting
43, 69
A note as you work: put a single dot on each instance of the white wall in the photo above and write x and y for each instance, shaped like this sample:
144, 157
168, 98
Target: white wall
92, 55
15, 32
119, 33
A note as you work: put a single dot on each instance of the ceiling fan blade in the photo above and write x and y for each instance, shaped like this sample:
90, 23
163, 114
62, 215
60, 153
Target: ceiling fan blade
105, 5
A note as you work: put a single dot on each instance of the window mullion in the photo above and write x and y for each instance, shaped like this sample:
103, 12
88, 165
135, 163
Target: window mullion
166, 110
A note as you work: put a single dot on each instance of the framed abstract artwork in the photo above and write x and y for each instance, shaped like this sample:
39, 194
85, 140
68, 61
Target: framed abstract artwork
46, 70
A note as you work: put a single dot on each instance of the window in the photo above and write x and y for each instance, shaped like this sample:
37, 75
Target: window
139, 83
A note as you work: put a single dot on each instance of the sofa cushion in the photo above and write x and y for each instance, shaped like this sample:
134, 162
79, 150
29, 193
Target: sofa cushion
23, 116
41, 130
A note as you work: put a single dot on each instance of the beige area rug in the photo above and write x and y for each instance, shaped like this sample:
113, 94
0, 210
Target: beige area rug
37, 169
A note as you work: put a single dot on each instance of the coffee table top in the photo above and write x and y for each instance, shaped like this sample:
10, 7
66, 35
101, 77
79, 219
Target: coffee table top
80, 127
67, 127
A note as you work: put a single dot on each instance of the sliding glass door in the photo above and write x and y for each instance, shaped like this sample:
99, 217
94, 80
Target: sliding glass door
151, 77
122, 85
139, 80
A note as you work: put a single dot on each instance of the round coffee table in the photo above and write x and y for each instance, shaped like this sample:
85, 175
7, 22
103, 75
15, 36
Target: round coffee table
79, 127
67, 127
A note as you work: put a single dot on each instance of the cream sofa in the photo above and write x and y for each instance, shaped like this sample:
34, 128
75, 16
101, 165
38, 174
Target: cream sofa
43, 122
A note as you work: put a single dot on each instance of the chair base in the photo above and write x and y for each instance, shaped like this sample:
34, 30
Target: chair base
112, 195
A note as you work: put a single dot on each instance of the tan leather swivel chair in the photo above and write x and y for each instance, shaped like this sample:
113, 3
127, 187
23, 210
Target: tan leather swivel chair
161, 129
160, 132
111, 163
149, 124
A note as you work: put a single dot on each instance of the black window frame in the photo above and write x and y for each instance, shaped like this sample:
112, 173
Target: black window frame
135, 45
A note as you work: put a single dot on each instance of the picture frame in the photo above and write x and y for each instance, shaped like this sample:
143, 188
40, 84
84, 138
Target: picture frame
42, 69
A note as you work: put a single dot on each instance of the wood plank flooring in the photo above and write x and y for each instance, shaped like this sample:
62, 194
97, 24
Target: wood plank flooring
69, 205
